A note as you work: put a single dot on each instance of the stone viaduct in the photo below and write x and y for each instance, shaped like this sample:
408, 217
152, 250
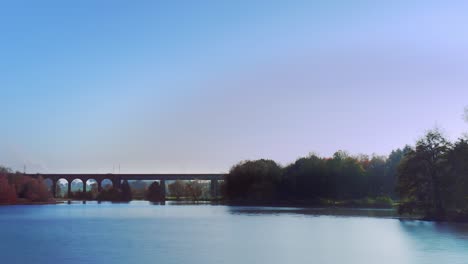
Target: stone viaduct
117, 179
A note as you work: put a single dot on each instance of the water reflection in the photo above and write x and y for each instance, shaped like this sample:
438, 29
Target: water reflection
140, 232
439, 242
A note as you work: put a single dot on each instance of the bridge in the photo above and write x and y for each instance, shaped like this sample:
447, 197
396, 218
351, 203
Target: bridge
117, 179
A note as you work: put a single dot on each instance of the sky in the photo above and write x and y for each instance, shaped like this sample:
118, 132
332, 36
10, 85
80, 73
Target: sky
197, 86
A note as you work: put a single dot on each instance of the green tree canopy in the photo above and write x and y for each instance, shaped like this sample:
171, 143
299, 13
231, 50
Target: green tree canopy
423, 176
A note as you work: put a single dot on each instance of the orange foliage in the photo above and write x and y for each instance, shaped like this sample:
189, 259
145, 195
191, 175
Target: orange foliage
15, 185
34, 189
7, 192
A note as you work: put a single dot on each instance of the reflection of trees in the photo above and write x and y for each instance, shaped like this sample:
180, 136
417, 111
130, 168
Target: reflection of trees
431, 234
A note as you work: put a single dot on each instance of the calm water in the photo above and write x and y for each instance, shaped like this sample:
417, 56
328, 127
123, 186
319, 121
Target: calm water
143, 233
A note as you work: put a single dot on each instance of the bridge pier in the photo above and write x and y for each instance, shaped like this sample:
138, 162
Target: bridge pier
214, 187
116, 183
84, 185
69, 189
54, 188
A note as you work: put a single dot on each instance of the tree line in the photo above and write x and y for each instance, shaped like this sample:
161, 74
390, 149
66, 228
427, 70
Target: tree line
314, 179
16, 188
187, 190
429, 179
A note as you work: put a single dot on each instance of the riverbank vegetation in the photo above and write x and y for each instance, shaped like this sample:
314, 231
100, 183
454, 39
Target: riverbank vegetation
429, 180
16, 188
433, 179
143, 190
339, 180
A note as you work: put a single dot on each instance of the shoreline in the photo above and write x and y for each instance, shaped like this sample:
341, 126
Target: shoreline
32, 203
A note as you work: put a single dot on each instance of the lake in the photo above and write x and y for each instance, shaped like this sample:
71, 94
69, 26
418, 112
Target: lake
140, 232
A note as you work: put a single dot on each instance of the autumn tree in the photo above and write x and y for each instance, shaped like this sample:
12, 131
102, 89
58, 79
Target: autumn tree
7, 192
35, 190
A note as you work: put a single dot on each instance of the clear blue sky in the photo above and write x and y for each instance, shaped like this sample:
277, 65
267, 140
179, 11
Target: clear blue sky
196, 86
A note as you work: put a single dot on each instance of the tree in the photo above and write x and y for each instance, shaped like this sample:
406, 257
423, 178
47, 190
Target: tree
139, 189
126, 191
7, 192
306, 179
375, 173
194, 190
154, 193
33, 189
458, 158
390, 181
110, 194
422, 176
93, 189
177, 189
257, 180
347, 176
16, 185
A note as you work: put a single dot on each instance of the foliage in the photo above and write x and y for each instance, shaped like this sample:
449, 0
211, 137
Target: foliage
7, 192
377, 202
194, 190
139, 189
80, 195
35, 190
177, 189
433, 179
126, 191
314, 178
110, 194
424, 177
458, 159
155, 193
14, 186
258, 180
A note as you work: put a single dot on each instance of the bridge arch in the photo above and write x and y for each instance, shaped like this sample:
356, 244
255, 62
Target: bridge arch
61, 189
91, 185
106, 184
76, 186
